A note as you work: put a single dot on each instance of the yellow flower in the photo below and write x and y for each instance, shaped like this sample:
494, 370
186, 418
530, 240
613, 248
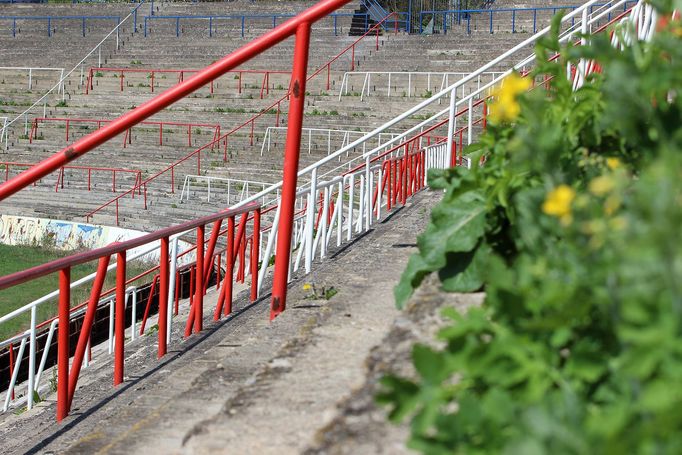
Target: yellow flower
307, 287
602, 185
613, 163
506, 108
558, 203
618, 223
611, 204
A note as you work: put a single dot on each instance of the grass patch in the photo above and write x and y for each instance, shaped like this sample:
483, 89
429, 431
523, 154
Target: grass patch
16, 258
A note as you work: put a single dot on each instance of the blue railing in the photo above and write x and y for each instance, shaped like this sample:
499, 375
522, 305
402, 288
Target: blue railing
497, 16
242, 19
49, 19
375, 10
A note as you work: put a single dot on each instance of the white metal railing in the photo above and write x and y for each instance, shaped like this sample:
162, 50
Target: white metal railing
32, 70
4, 132
408, 83
315, 136
177, 249
115, 32
232, 190
339, 201
320, 179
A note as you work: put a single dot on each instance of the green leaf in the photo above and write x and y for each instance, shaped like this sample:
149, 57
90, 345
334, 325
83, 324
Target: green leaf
464, 272
430, 364
456, 226
401, 394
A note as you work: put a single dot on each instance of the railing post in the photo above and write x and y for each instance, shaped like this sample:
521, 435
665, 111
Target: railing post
470, 122
199, 282
352, 60
291, 158
255, 254
119, 328
174, 281
229, 268
451, 125
88, 319
309, 225
163, 297
32, 360
485, 114
63, 344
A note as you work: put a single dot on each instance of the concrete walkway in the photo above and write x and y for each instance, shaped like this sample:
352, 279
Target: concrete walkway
246, 386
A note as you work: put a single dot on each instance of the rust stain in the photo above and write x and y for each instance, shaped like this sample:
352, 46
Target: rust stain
70, 153
275, 304
297, 89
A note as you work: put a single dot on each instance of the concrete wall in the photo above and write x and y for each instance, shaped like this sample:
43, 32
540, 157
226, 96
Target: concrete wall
64, 235
69, 236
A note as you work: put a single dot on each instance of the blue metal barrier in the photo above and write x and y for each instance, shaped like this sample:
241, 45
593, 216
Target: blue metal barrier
242, 18
458, 16
49, 19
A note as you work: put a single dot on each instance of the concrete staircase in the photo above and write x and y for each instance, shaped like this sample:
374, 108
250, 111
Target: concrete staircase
456, 51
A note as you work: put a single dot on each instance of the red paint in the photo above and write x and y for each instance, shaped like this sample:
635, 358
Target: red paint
199, 282
86, 329
170, 96
229, 267
11, 364
63, 344
255, 254
291, 157
119, 320
163, 297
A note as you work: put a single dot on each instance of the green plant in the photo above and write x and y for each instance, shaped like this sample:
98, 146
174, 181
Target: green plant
571, 229
62, 103
323, 293
53, 380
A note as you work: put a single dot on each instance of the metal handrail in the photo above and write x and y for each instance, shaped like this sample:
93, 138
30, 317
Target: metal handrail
248, 122
313, 228
133, 13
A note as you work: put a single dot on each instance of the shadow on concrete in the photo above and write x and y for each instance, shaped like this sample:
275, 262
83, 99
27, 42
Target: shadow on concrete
133, 380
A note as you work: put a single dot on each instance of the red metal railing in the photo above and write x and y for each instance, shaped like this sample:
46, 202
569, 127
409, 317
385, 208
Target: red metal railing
66, 381
181, 73
250, 122
127, 138
276, 106
241, 243
300, 26
86, 169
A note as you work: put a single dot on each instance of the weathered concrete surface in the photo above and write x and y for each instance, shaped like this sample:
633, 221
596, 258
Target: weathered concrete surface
248, 386
359, 425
